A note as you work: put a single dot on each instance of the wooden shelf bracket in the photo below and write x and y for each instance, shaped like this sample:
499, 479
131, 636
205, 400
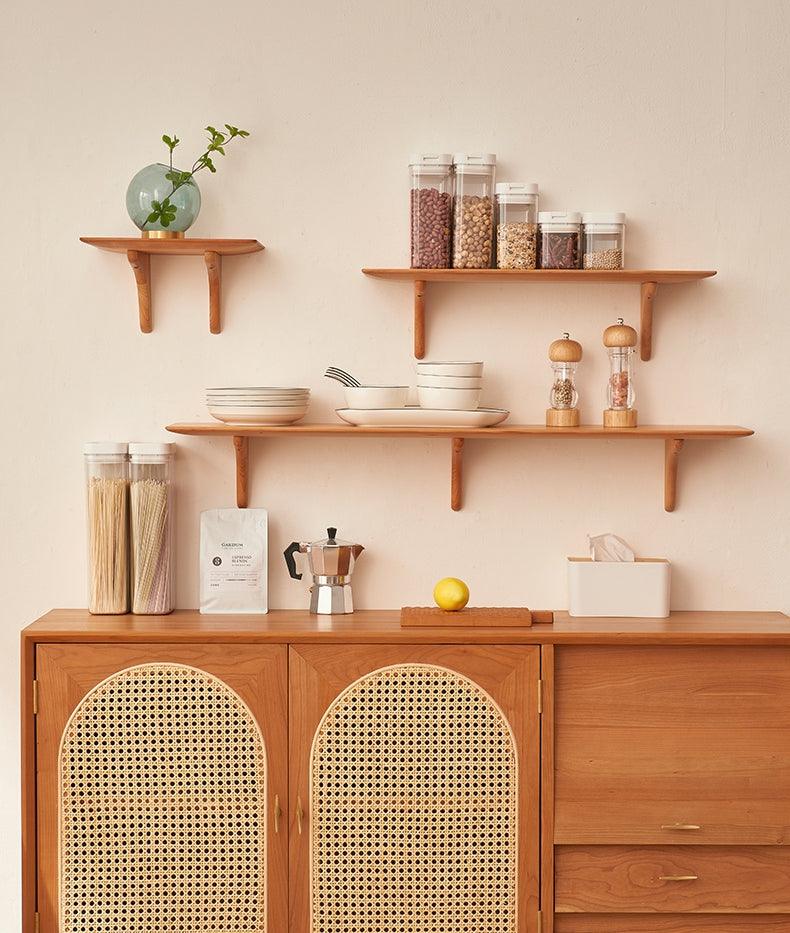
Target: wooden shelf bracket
242, 447
213, 263
141, 266
457, 475
672, 449
419, 319
649, 290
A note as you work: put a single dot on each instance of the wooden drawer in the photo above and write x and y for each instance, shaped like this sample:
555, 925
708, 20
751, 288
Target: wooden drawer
652, 738
666, 923
672, 879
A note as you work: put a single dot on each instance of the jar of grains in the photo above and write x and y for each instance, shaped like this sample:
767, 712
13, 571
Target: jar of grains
107, 494
431, 210
473, 218
560, 233
620, 340
516, 225
565, 355
604, 240
151, 527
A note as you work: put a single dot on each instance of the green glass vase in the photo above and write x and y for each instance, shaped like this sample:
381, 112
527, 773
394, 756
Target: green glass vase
151, 184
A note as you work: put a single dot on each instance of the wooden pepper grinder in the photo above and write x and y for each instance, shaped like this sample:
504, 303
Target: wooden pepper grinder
620, 340
565, 354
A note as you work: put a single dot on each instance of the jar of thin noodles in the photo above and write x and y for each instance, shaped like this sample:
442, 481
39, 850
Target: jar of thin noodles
151, 528
107, 493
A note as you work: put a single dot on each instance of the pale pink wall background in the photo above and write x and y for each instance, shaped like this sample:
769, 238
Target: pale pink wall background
675, 112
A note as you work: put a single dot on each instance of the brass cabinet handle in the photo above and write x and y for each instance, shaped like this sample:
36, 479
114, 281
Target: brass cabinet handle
678, 877
278, 812
299, 814
683, 827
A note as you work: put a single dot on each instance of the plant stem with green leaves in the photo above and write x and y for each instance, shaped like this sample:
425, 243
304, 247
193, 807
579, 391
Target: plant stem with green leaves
164, 211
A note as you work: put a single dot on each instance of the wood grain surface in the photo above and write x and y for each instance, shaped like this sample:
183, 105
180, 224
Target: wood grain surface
675, 923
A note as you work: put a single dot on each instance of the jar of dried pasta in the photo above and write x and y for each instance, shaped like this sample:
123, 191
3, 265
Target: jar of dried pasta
107, 496
151, 527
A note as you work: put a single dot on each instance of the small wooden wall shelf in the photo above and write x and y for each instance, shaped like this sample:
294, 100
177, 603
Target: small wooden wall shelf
648, 279
674, 437
139, 251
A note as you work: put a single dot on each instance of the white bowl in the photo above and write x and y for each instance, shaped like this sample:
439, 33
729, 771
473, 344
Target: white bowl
448, 399
450, 382
443, 368
256, 390
376, 396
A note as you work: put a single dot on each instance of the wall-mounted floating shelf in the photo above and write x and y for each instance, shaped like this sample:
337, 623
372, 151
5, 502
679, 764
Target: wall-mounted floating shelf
674, 437
648, 279
139, 251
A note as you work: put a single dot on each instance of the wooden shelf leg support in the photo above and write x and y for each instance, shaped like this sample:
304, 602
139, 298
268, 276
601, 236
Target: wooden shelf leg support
419, 320
141, 266
214, 268
672, 448
457, 475
649, 290
242, 448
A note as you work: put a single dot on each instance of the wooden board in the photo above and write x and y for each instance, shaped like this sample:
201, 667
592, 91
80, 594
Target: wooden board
671, 923
498, 276
187, 246
582, 432
478, 617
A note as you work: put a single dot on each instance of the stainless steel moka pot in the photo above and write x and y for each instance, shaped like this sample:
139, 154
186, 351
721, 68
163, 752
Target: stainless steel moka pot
331, 563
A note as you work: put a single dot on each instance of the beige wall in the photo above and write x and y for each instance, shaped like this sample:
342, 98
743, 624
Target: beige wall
675, 112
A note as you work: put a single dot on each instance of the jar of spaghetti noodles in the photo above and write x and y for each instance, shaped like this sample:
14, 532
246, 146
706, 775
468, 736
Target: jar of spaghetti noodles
107, 495
151, 528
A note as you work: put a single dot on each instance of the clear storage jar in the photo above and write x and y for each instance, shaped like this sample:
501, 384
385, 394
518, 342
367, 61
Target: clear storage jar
604, 240
516, 225
431, 209
151, 528
107, 498
473, 217
559, 239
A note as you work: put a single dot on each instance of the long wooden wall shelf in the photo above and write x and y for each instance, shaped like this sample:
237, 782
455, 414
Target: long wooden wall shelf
139, 251
648, 279
674, 437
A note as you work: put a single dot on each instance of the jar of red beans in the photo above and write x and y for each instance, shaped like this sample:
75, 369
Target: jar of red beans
559, 239
431, 210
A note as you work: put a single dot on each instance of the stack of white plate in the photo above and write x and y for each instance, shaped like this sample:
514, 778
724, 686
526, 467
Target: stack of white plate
257, 404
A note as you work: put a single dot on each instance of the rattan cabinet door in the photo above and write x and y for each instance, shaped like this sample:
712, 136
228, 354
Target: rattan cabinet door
414, 789
160, 774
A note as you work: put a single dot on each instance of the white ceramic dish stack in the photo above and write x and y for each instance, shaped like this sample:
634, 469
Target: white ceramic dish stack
449, 386
258, 404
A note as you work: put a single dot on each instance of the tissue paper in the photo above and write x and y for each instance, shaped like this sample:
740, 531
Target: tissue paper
609, 547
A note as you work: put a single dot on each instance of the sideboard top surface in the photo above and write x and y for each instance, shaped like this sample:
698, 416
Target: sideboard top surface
286, 626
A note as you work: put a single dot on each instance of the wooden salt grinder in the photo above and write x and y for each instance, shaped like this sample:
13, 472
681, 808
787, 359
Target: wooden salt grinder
620, 340
568, 352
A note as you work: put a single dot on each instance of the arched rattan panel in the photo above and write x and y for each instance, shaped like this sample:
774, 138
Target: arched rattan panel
162, 807
414, 789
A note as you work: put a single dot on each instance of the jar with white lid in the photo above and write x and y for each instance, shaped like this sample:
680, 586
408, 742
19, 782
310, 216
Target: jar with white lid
107, 497
620, 341
431, 210
604, 240
473, 216
151, 527
559, 239
516, 225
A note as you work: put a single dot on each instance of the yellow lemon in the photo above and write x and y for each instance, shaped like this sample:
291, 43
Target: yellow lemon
451, 594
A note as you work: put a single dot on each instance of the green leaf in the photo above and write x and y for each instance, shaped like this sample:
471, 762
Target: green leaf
220, 149
174, 176
166, 204
151, 217
168, 141
165, 220
156, 205
244, 133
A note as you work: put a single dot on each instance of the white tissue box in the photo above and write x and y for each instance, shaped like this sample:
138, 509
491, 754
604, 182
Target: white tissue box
614, 588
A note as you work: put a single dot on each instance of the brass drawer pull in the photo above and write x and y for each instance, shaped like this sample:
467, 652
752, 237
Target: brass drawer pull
299, 814
678, 877
277, 813
683, 827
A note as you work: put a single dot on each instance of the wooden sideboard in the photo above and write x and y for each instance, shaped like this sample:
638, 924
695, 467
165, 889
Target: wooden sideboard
345, 775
